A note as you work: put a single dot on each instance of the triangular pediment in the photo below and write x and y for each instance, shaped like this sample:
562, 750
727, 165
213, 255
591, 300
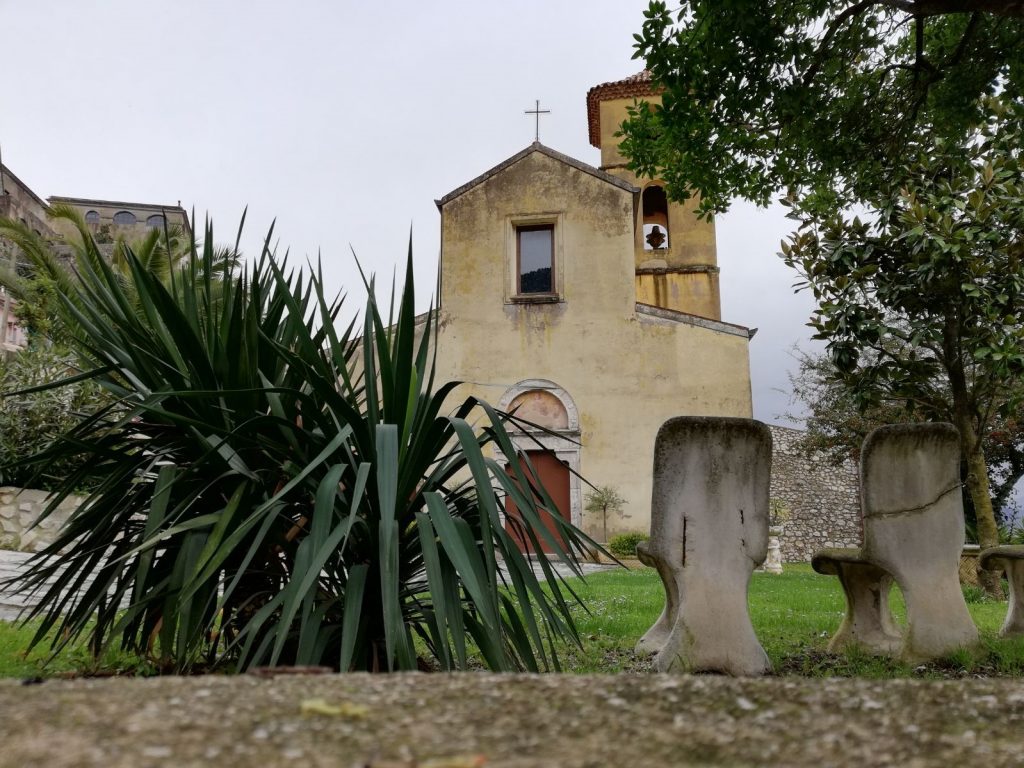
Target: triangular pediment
548, 152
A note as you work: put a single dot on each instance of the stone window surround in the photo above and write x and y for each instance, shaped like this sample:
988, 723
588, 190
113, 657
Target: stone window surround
565, 444
512, 222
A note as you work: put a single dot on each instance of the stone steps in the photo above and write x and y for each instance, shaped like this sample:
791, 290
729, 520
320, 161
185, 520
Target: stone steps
11, 564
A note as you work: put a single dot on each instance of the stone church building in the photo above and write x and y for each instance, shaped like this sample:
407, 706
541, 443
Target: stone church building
586, 299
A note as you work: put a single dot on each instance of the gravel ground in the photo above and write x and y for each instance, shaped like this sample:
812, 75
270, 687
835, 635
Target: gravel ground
473, 720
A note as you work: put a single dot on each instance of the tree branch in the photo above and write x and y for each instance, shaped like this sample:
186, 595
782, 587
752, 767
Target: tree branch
961, 46
1006, 8
823, 47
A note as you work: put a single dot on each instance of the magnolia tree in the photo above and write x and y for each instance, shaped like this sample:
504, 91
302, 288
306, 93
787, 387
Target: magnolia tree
837, 418
816, 96
925, 289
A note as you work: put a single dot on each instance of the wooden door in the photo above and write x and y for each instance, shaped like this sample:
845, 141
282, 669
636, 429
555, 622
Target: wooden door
554, 476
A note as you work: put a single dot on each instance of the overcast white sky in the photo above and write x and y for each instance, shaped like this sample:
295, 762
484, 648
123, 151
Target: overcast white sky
343, 120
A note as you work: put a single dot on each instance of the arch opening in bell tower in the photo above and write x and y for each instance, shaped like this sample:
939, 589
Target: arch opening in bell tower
655, 218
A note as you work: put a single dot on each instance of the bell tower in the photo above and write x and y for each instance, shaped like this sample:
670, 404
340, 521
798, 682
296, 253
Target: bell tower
676, 260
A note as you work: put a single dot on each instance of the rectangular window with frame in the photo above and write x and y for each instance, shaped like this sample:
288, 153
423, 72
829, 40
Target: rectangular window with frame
535, 258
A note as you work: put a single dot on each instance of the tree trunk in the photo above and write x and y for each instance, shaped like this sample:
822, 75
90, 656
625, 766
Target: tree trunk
977, 486
965, 411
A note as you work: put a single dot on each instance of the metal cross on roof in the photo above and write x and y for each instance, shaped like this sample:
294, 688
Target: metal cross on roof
536, 112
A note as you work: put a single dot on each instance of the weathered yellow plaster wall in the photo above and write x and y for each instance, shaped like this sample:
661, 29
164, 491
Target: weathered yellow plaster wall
691, 239
626, 373
696, 291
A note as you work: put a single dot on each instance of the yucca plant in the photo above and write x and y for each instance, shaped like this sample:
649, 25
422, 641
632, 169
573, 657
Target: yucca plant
45, 267
272, 489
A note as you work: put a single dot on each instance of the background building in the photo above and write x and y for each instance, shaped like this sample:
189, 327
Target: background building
109, 220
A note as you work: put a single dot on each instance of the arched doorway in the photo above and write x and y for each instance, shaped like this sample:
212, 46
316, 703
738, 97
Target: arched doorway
552, 445
554, 475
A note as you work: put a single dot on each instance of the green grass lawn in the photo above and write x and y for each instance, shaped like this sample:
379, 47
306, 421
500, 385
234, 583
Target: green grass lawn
794, 615
73, 661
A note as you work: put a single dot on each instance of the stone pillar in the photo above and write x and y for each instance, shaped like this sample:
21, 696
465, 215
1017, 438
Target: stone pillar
773, 561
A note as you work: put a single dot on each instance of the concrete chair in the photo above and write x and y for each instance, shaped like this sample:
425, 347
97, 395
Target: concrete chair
914, 530
868, 623
656, 637
914, 533
709, 530
1009, 559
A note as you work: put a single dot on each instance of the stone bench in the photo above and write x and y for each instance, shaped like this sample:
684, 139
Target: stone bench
913, 533
709, 530
1009, 559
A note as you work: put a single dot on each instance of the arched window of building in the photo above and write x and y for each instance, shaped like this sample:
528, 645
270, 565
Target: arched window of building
156, 221
124, 218
541, 407
655, 206
92, 217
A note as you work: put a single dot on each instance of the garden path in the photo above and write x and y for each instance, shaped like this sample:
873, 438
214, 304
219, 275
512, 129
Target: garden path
10, 564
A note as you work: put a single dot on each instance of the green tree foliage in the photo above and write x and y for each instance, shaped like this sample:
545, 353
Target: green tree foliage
836, 422
923, 297
812, 96
35, 307
277, 490
30, 421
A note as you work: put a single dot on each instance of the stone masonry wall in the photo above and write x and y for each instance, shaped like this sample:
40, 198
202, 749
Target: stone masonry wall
19, 508
823, 500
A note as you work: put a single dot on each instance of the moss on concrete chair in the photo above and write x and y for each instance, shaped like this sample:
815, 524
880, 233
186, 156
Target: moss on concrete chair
1010, 560
709, 530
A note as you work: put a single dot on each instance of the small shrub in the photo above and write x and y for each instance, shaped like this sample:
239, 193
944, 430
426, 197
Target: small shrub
1012, 532
31, 421
778, 512
624, 544
973, 594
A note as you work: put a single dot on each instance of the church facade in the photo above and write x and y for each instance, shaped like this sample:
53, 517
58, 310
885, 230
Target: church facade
583, 298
